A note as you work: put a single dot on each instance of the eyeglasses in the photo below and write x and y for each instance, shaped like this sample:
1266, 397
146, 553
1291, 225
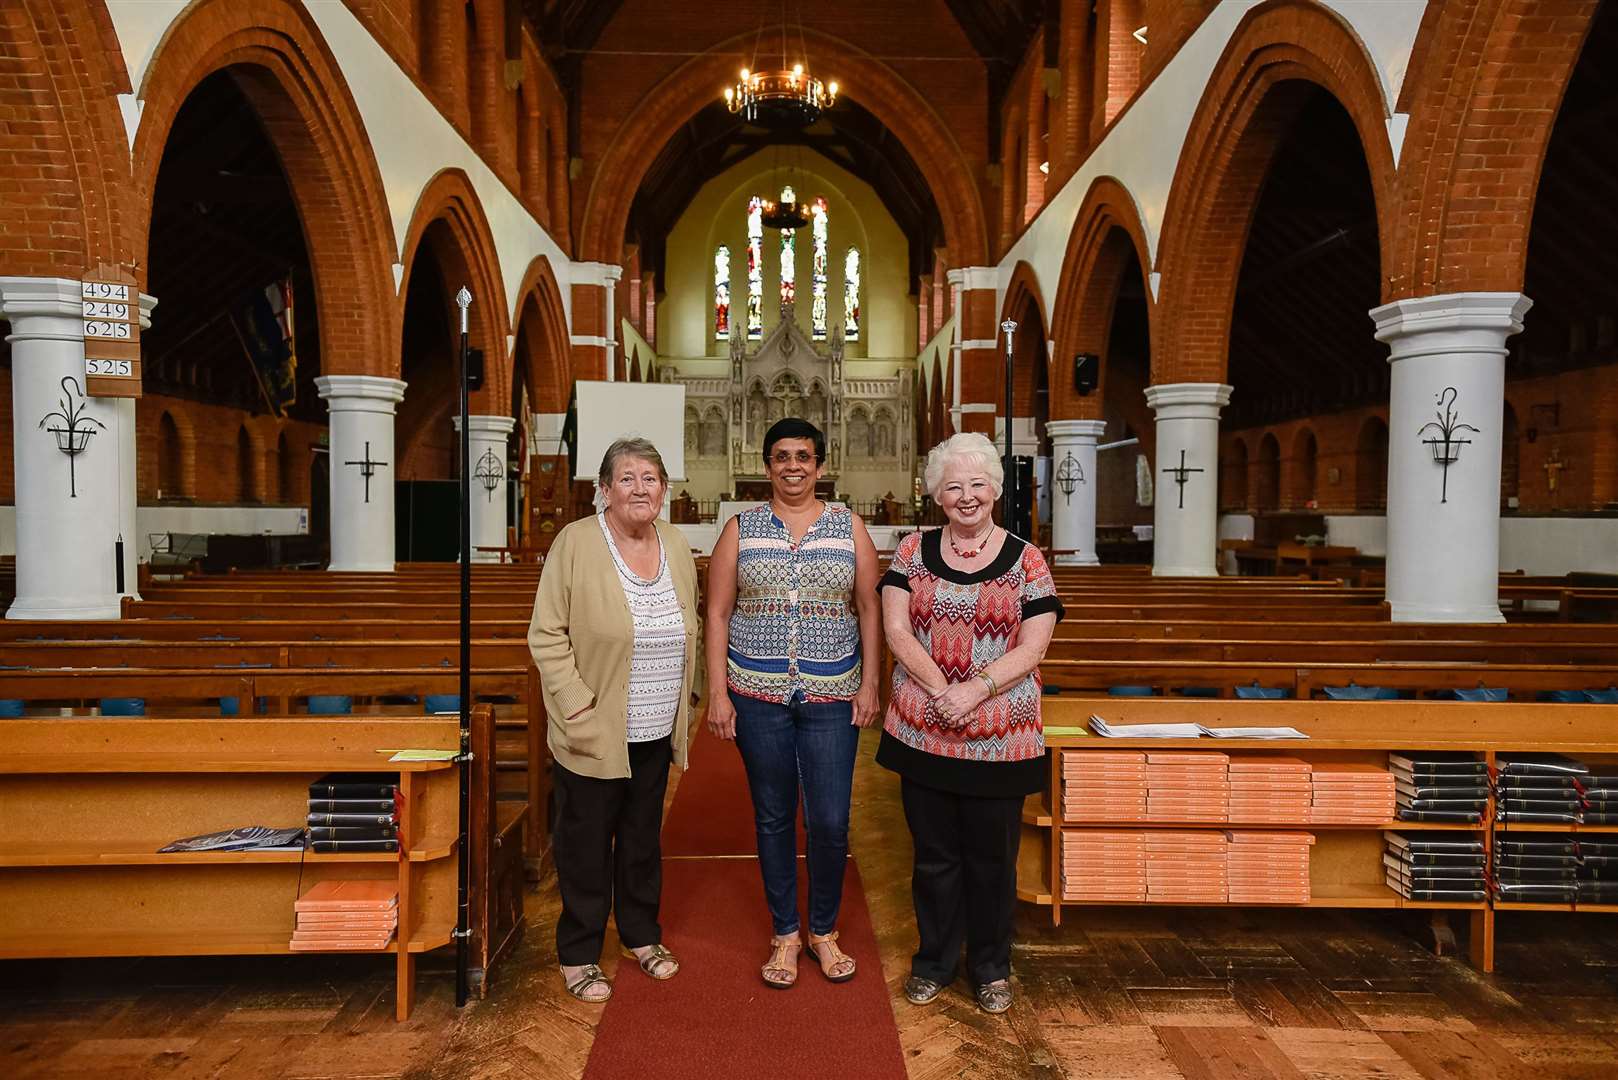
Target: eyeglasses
802, 457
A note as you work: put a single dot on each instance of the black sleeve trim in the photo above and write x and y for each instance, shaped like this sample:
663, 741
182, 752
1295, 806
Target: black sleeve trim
892, 578
1041, 605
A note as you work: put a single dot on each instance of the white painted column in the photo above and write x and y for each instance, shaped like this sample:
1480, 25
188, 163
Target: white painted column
1186, 516
1449, 368
362, 528
70, 511
1073, 514
487, 453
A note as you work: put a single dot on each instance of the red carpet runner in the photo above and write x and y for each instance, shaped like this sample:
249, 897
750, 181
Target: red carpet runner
717, 1018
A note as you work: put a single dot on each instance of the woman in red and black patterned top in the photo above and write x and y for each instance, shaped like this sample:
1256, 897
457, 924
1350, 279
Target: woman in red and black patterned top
968, 611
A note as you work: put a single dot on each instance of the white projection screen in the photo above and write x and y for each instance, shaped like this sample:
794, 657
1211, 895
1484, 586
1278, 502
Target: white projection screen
616, 410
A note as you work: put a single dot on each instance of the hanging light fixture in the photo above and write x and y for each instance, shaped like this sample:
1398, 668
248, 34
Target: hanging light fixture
790, 96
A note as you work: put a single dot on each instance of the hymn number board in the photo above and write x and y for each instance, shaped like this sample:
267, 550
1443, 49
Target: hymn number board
111, 338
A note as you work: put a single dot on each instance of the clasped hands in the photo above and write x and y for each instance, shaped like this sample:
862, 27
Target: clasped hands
956, 703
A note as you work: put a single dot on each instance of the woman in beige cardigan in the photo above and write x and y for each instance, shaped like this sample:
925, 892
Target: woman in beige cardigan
614, 635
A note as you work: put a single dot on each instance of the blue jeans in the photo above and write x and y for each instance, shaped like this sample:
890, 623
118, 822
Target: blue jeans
805, 746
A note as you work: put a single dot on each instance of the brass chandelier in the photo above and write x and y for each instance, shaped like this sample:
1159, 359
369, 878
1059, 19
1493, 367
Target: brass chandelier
787, 97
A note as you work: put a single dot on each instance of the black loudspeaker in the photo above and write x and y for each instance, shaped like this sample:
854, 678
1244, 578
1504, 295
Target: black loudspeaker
474, 369
1085, 368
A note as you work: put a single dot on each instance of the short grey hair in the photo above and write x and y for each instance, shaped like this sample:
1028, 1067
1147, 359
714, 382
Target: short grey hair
969, 448
633, 447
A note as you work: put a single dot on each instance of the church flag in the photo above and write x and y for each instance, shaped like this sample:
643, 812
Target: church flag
266, 328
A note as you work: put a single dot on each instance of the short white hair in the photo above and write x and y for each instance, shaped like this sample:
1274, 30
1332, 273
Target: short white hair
966, 448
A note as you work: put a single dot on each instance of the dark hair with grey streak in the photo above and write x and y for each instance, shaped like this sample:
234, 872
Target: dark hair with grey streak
632, 448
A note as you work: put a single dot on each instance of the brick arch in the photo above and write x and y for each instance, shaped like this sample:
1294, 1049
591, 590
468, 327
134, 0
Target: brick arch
1025, 304
1233, 466
61, 68
468, 259
1013, 162
889, 97
540, 314
186, 437
286, 71
1278, 54
1106, 230
1482, 104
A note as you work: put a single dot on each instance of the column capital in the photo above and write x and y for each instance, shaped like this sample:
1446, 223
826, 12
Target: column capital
1188, 401
596, 273
33, 304
973, 278
1450, 324
360, 393
1075, 430
486, 425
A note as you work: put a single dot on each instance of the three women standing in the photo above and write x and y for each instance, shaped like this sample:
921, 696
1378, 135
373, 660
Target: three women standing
614, 636
794, 629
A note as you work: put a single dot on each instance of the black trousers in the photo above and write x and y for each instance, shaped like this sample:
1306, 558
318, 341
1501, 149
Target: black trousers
964, 884
609, 854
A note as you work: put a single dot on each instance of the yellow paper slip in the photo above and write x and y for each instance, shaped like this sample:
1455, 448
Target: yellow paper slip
424, 755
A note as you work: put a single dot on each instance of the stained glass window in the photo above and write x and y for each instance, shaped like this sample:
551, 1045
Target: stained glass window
817, 272
755, 268
789, 254
851, 295
721, 292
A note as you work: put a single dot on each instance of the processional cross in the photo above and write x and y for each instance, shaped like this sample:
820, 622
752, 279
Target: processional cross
1181, 475
367, 468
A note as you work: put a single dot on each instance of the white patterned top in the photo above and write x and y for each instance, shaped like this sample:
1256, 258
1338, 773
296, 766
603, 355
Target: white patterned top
657, 666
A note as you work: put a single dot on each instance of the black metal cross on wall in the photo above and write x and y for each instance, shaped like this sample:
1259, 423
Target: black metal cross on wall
1181, 475
367, 468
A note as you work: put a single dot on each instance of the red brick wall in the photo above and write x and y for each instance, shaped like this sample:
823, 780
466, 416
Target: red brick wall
211, 467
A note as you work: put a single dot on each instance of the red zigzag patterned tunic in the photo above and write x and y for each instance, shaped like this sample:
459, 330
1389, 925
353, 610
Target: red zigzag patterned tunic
966, 621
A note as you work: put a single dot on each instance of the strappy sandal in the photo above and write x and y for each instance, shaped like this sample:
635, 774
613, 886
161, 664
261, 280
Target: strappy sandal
777, 975
841, 968
588, 979
995, 997
656, 955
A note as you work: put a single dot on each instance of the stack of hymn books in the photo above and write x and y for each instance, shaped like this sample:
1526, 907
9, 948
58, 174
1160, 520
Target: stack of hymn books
1186, 867
1187, 785
1349, 794
351, 812
1103, 867
1600, 799
1550, 868
1540, 788
1105, 785
1436, 785
346, 916
1421, 868
1269, 790
1269, 867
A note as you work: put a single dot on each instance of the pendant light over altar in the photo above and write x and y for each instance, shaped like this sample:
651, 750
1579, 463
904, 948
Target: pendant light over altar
784, 98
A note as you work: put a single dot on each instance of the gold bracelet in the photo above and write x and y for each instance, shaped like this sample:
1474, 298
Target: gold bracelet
987, 678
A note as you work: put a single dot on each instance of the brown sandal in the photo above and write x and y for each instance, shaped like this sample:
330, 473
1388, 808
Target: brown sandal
841, 966
777, 975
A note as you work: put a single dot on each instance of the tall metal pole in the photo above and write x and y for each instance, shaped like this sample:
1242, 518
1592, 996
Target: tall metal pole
463, 930
1008, 501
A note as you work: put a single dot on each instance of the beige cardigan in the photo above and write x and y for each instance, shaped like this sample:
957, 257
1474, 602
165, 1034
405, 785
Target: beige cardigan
582, 638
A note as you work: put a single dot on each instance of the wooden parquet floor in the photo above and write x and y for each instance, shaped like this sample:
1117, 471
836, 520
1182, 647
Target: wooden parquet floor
1124, 994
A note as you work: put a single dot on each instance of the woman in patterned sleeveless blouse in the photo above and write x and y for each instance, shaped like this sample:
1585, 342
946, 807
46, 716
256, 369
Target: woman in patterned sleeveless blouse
968, 611
793, 622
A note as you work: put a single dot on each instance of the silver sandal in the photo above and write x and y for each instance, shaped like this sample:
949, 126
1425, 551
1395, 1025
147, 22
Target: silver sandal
591, 976
995, 997
656, 955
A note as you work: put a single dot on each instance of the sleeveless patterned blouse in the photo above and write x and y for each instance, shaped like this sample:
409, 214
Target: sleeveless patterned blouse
793, 628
